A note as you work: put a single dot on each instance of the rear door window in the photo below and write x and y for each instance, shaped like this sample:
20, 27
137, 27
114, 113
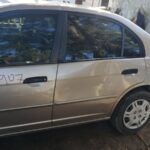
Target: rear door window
90, 38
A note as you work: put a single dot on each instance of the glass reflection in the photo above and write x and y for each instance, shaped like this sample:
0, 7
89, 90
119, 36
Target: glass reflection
27, 39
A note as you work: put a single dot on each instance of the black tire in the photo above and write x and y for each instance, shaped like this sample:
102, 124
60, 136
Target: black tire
117, 117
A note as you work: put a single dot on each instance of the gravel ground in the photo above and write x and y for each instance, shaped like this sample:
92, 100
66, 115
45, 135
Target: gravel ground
95, 136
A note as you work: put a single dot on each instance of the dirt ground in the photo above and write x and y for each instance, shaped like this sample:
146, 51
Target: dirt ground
95, 136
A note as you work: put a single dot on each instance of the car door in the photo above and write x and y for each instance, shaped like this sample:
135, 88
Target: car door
28, 43
90, 77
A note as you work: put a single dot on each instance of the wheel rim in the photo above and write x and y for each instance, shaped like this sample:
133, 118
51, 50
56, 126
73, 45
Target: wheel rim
136, 114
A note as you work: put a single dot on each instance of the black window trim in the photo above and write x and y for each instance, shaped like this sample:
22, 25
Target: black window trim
53, 59
61, 58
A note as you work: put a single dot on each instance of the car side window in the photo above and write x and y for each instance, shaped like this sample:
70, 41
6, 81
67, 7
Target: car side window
132, 46
27, 39
90, 38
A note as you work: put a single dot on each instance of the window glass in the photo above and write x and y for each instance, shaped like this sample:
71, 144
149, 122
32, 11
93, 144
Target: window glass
28, 39
132, 47
91, 38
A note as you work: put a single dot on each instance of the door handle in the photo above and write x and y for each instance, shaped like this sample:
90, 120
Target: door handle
35, 80
129, 71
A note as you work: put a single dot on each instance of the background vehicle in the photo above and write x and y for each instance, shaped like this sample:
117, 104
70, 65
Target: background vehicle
64, 65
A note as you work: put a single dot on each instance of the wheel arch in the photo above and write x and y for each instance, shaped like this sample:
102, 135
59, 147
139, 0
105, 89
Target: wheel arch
128, 92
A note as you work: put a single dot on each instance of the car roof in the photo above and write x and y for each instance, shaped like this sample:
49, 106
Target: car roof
51, 5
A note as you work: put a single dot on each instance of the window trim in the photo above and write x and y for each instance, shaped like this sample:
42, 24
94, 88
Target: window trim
123, 27
55, 49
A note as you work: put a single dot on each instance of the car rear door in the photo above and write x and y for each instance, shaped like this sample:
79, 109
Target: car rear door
92, 75
28, 46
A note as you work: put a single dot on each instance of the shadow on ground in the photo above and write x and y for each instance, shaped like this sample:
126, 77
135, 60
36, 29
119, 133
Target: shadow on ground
95, 136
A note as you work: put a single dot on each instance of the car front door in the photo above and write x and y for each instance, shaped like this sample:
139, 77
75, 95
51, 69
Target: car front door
90, 77
28, 68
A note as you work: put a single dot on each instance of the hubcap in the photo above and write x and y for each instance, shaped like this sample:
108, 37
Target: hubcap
136, 114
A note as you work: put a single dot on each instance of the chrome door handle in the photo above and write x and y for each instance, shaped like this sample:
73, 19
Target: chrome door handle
35, 80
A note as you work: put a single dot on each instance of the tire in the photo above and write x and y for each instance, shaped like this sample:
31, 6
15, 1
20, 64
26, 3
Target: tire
133, 113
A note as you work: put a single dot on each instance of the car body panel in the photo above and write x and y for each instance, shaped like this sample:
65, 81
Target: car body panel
25, 102
84, 91
86, 88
